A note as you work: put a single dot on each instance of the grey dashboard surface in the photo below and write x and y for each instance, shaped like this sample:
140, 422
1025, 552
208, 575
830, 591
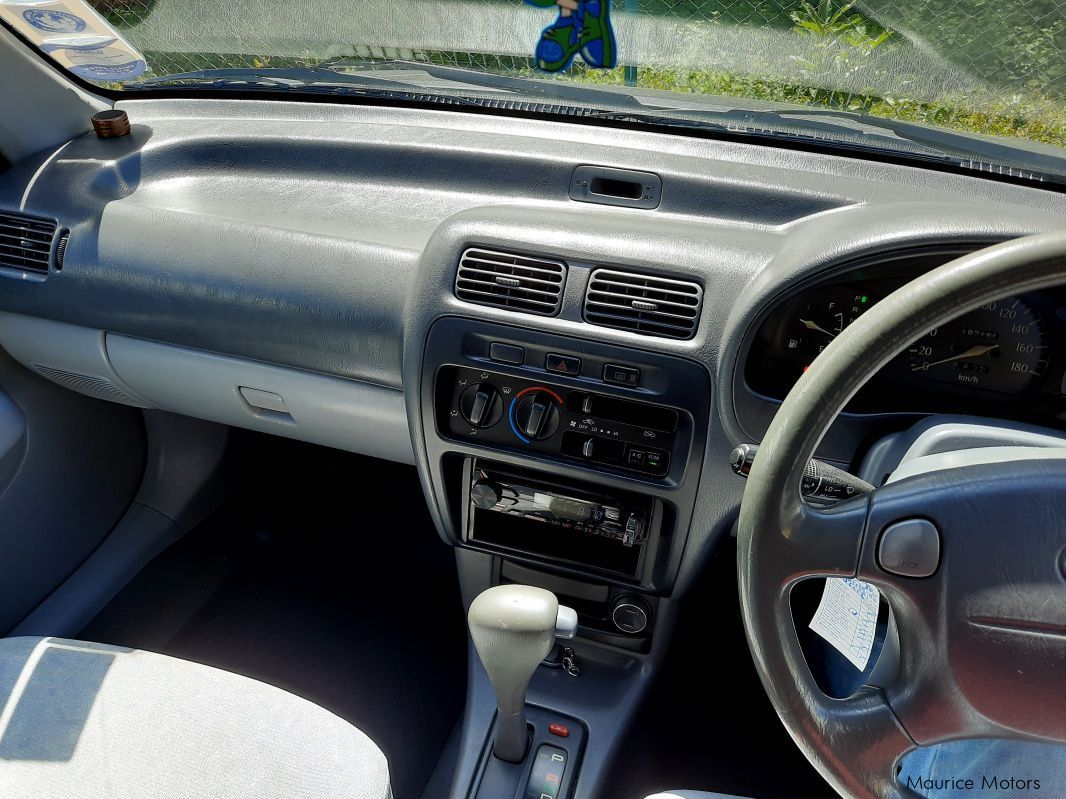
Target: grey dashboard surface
326, 237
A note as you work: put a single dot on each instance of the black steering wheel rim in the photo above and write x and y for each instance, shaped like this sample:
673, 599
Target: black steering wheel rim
856, 743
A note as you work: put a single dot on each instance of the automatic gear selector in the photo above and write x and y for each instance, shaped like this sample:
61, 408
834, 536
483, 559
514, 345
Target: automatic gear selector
514, 628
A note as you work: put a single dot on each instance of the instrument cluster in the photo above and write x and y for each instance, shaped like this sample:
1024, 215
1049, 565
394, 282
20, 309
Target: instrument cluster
1008, 354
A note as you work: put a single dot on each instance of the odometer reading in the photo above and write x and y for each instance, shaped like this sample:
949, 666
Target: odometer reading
999, 347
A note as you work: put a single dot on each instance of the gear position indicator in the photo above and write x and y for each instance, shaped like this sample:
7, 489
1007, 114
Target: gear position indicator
547, 773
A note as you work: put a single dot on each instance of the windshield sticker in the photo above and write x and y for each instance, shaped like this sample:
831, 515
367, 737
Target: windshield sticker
582, 27
76, 43
106, 63
75, 37
54, 21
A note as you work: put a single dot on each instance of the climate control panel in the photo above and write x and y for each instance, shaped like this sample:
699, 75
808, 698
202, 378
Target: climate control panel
496, 409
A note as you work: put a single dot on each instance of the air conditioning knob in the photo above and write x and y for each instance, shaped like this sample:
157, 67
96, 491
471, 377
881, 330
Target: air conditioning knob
537, 415
481, 405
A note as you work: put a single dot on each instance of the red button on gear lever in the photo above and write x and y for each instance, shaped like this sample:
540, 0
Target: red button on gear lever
559, 729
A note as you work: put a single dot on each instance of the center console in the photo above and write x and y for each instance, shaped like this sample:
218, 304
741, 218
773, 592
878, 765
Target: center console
573, 463
570, 465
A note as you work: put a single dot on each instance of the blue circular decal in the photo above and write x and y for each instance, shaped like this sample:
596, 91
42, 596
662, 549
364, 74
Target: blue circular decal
106, 63
54, 21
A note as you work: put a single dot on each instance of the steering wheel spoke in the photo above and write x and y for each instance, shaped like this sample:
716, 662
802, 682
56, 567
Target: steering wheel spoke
866, 725
824, 542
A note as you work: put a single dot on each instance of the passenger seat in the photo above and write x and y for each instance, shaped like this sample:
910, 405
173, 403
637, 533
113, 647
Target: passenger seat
693, 795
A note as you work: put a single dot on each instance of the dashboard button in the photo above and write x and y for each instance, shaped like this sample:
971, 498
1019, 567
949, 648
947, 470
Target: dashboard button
562, 364
621, 375
636, 457
506, 353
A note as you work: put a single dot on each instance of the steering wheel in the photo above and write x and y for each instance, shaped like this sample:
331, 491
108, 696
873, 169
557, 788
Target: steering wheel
983, 639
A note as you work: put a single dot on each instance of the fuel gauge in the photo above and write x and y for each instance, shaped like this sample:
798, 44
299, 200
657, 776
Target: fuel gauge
823, 318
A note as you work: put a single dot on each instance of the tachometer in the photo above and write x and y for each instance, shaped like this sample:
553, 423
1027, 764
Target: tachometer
999, 347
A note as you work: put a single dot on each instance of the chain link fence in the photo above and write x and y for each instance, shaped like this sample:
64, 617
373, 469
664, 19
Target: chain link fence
908, 58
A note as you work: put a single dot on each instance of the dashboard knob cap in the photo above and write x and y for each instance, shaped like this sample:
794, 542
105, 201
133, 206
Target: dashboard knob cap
485, 494
537, 415
481, 405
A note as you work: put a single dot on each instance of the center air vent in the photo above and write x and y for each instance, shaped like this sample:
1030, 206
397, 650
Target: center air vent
654, 306
518, 282
25, 242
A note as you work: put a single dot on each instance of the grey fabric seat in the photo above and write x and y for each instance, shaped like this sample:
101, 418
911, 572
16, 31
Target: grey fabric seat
693, 795
87, 721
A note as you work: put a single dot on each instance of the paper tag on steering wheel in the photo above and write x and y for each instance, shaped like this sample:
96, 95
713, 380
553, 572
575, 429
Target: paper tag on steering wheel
847, 618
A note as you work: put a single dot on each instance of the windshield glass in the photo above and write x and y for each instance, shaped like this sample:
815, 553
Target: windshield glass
990, 72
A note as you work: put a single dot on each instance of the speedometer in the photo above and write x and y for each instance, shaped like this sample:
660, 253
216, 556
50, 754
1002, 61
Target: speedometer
999, 347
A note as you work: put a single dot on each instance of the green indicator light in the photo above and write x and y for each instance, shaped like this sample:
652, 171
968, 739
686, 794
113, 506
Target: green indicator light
864, 299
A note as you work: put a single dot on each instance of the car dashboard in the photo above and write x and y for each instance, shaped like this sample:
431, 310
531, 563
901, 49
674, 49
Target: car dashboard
567, 368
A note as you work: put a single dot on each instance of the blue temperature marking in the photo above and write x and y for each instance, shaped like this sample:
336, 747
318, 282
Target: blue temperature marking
510, 418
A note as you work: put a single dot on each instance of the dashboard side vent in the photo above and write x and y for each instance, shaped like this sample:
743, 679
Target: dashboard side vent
517, 282
61, 249
25, 242
653, 306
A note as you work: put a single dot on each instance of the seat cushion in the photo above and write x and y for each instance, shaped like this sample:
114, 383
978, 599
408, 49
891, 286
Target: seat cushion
84, 721
693, 795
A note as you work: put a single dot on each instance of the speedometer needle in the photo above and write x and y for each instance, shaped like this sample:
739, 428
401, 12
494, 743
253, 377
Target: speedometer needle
815, 326
973, 352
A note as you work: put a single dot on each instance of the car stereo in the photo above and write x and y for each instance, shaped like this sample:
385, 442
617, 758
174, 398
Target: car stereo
522, 511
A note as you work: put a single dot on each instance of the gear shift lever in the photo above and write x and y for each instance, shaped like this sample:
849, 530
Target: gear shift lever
514, 628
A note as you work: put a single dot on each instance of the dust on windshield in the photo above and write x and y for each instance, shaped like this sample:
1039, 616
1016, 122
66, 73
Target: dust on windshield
993, 67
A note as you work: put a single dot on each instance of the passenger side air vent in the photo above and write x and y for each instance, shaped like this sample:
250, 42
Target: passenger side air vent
654, 306
25, 242
517, 282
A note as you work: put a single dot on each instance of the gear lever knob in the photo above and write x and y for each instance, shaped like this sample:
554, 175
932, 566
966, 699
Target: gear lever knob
513, 628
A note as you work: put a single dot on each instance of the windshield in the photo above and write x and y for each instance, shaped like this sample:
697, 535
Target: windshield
990, 72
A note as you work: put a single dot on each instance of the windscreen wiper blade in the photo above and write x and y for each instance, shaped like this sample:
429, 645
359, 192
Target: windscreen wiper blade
291, 78
731, 123
563, 97
554, 89
324, 82
906, 138
978, 152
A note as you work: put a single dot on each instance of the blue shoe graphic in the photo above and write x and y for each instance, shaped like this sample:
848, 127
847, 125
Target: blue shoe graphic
596, 42
559, 43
